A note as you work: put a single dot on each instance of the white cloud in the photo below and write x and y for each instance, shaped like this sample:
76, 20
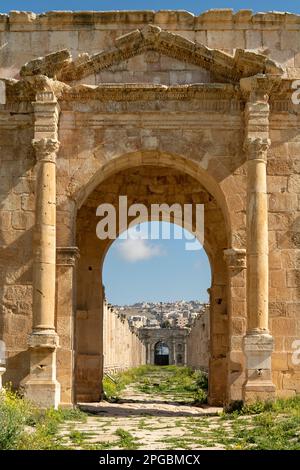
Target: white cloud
138, 249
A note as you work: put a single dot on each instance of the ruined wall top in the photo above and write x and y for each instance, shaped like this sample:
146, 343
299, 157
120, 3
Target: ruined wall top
25, 36
217, 18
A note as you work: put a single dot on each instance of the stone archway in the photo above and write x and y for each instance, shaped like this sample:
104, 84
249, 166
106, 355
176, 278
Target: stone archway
161, 354
107, 143
154, 183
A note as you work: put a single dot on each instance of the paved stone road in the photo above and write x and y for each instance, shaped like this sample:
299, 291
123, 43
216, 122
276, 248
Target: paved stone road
152, 421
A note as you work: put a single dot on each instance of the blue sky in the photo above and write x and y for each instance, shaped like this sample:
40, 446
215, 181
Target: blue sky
190, 5
155, 270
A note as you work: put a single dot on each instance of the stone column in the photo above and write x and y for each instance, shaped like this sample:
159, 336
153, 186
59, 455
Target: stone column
184, 354
174, 352
148, 353
42, 386
258, 343
152, 354
66, 260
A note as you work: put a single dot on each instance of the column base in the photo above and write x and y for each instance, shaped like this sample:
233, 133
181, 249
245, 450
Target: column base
45, 394
41, 387
258, 351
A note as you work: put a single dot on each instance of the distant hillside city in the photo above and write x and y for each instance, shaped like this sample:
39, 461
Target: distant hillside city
178, 314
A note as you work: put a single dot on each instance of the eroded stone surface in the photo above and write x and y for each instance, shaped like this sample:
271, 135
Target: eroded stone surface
131, 117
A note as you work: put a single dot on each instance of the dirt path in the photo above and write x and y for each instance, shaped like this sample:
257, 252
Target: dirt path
145, 421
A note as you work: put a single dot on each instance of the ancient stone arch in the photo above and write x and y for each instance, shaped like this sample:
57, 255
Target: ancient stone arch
153, 181
155, 104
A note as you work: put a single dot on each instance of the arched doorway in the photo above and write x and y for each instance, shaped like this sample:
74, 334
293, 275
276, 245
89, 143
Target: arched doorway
161, 354
179, 359
154, 183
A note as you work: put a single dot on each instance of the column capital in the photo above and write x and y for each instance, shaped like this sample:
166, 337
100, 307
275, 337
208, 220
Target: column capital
67, 256
257, 148
235, 258
46, 149
259, 87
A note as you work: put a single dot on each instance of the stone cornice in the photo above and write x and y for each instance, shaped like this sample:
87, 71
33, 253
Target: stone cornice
25, 92
259, 87
49, 65
223, 67
31, 89
67, 256
218, 18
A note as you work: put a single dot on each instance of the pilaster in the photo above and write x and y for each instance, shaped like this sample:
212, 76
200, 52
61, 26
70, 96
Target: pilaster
258, 344
41, 386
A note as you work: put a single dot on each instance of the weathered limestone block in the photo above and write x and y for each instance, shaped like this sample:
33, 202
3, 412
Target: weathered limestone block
258, 349
49, 65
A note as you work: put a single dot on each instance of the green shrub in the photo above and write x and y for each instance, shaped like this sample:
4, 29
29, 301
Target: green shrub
201, 379
200, 397
24, 426
126, 439
110, 389
13, 414
290, 405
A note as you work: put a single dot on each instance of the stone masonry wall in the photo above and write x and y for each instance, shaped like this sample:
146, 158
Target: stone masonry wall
24, 36
122, 348
198, 343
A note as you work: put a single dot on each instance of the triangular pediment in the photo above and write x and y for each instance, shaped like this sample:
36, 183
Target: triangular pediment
152, 39
149, 67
